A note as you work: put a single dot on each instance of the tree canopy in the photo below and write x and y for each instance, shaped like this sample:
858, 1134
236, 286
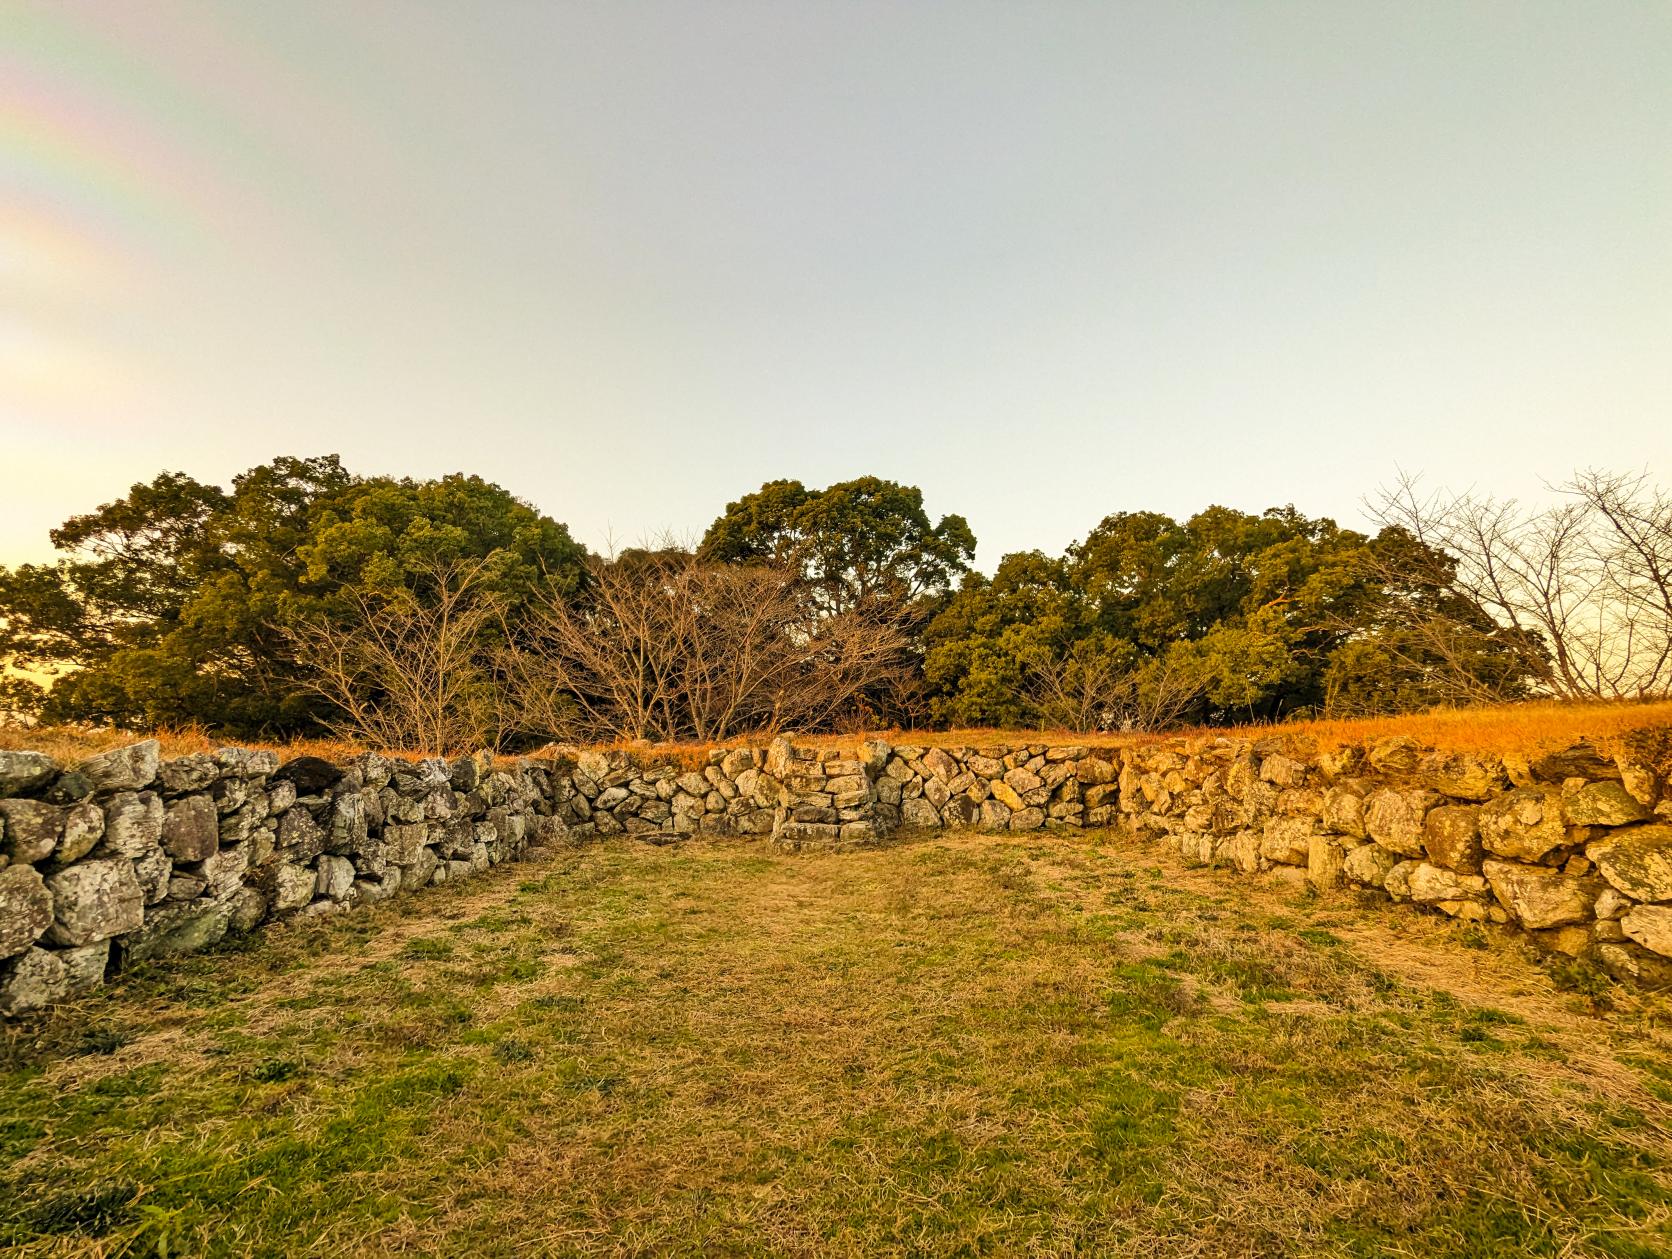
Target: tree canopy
171, 605
856, 541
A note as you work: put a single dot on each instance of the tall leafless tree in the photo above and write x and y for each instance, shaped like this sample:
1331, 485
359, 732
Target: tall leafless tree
1581, 590
410, 671
666, 647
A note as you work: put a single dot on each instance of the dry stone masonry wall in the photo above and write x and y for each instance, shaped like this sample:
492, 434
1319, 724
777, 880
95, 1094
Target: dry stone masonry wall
128, 856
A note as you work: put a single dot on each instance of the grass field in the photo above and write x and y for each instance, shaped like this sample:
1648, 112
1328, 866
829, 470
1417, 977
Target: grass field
956, 1046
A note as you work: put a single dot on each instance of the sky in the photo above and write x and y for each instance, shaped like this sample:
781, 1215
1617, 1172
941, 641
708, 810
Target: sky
1047, 261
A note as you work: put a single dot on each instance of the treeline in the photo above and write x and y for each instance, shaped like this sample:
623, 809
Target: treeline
447, 614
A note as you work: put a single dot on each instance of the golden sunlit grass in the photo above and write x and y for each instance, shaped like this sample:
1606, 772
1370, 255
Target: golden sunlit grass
1526, 728
972, 1045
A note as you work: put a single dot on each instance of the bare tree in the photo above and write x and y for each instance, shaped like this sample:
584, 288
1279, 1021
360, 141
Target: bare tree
666, 647
411, 671
1578, 592
1094, 686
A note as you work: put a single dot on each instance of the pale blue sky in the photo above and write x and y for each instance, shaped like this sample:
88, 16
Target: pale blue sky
1047, 261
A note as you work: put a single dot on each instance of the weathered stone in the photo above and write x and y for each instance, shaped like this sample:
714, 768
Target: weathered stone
300, 837
1029, 819
1007, 795
191, 829
22, 772
1288, 840
1340, 762
292, 886
84, 825
130, 768
938, 763
1343, 812
40, 977
185, 774
1397, 755
1451, 837
1282, 771
176, 930
25, 909
1090, 771
223, 871
1631, 963
335, 877
1394, 818
1650, 926
1637, 860
133, 823
31, 828
1369, 864
95, 900
153, 870
1603, 804
1640, 780
1523, 824
1324, 858
1582, 760
995, 815
1397, 882
1538, 897
919, 813
1464, 775
1428, 884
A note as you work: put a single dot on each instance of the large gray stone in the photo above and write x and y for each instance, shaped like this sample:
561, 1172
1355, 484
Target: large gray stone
94, 901
1523, 824
1538, 897
23, 772
191, 829
188, 773
1603, 804
31, 828
1637, 860
223, 871
1650, 926
336, 876
133, 823
175, 930
1394, 818
84, 825
25, 909
40, 977
130, 768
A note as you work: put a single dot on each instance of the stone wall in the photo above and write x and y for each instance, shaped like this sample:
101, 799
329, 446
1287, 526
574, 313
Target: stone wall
128, 856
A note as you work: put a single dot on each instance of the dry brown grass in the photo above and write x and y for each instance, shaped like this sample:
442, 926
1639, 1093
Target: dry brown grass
1527, 728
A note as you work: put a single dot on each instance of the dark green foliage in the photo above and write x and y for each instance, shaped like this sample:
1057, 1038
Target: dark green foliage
1247, 617
855, 541
171, 604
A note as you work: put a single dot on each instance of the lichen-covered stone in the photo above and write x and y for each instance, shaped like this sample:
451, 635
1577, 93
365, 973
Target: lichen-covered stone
1451, 837
191, 829
1368, 864
1650, 926
31, 829
25, 909
131, 768
1538, 897
1637, 860
23, 772
1394, 818
133, 823
1603, 804
94, 901
1523, 824
40, 977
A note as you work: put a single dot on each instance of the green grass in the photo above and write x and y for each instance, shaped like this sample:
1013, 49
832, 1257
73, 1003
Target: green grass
964, 1046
